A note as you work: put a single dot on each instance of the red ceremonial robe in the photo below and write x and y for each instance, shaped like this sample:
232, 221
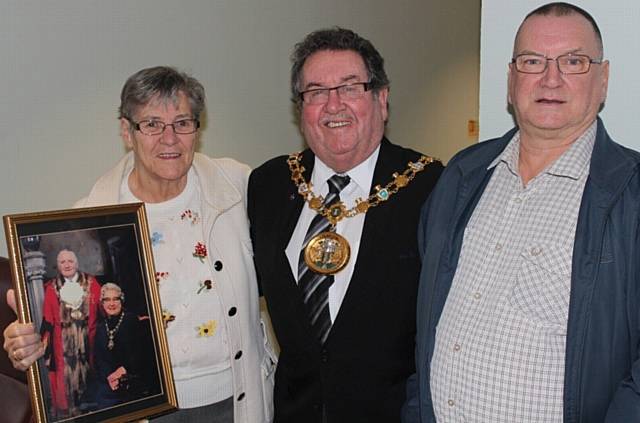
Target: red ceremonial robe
69, 334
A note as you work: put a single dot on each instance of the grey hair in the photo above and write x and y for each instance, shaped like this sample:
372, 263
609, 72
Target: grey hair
110, 286
337, 39
161, 83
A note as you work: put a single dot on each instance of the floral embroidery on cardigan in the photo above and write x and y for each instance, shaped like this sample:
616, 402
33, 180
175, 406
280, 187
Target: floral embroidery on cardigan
157, 238
161, 275
190, 216
200, 251
167, 317
207, 329
206, 284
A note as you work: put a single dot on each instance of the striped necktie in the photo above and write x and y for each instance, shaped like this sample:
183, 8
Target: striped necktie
315, 286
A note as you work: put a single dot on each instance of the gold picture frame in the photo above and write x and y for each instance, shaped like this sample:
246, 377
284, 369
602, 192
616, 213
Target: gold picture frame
75, 379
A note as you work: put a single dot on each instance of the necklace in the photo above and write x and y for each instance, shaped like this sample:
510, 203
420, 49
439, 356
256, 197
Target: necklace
328, 252
112, 332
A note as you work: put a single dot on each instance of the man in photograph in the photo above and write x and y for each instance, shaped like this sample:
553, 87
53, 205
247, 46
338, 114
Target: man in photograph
70, 317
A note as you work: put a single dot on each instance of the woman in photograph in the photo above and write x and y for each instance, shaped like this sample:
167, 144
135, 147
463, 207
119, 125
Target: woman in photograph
196, 208
120, 352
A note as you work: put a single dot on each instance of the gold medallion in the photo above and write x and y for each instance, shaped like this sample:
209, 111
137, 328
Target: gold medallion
327, 253
77, 314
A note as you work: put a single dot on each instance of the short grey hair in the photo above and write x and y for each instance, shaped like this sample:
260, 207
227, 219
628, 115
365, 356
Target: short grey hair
163, 83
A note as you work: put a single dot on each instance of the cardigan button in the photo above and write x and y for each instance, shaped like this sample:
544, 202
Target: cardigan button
217, 265
238, 355
233, 311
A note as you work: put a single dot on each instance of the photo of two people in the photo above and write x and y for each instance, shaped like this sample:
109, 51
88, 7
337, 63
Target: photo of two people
88, 293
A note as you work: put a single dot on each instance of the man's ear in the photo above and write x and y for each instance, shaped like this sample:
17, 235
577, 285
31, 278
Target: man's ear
605, 81
510, 81
383, 95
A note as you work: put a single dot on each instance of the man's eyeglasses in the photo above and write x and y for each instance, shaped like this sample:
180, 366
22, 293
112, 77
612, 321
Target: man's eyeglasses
568, 64
353, 91
156, 127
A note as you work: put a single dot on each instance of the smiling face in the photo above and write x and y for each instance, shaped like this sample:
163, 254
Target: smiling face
551, 105
111, 302
161, 161
67, 263
342, 133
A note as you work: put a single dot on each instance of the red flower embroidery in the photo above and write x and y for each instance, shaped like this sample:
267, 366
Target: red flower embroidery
161, 275
189, 215
200, 251
205, 285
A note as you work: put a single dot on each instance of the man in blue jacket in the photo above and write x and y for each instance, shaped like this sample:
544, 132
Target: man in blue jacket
529, 300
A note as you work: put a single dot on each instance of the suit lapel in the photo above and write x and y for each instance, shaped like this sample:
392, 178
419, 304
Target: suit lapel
374, 222
290, 212
373, 234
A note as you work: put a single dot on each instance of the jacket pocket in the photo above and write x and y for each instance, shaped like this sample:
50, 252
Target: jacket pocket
542, 287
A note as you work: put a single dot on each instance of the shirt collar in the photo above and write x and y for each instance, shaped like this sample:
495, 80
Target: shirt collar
575, 161
72, 279
361, 175
572, 163
509, 155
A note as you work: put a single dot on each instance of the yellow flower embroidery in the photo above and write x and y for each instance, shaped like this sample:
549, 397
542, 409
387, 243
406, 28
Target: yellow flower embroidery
207, 329
167, 317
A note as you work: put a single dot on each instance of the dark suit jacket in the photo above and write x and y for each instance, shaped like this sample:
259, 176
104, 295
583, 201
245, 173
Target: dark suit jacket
359, 374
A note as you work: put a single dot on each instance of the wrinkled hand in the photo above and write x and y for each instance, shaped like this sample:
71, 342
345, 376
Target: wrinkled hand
114, 378
21, 342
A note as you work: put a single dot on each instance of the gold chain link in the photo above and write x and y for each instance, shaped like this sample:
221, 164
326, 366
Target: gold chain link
338, 211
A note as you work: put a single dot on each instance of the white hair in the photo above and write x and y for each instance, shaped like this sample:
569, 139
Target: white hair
110, 286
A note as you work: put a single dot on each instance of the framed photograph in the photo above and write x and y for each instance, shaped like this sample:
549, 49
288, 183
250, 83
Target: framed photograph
85, 278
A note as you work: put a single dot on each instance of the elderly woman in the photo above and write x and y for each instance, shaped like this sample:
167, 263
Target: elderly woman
202, 251
119, 361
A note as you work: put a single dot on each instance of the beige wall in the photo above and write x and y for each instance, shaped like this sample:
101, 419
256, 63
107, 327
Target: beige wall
64, 63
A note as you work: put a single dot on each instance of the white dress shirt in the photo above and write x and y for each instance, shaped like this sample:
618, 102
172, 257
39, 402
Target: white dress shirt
350, 228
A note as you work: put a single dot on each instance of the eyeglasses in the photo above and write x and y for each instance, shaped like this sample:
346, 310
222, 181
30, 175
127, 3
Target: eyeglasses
112, 300
352, 91
156, 127
568, 64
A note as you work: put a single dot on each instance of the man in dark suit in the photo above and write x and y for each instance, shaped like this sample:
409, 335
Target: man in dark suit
334, 235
